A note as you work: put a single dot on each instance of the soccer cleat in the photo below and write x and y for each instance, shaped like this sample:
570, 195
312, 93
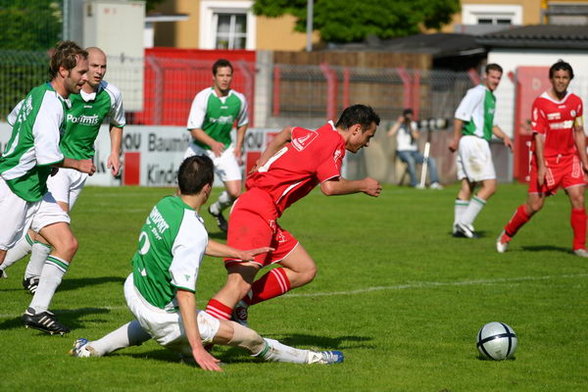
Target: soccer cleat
82, 349
241, 314
436, 185
44, 321
220, 220
3, 274
31, 284
325, 357
463, 230
502, 242
581, 252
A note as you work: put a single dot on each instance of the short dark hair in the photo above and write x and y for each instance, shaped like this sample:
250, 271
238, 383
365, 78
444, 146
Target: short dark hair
221, 63
358, 114
195, 172
561, 65
407, 111
66, 55
493, 67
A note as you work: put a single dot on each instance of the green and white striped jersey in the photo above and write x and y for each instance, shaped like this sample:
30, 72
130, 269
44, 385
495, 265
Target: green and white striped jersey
171, 246
216, 115
476, 110
33, 147
87, 113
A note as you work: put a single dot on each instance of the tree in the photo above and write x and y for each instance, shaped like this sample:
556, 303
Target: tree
29, 25
352, 21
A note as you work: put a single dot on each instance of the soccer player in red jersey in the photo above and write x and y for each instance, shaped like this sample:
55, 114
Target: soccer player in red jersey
295, 161
559, 157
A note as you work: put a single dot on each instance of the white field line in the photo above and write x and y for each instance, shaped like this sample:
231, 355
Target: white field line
414, 285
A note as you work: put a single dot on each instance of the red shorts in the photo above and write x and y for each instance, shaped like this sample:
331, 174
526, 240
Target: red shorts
253, 225
562, 171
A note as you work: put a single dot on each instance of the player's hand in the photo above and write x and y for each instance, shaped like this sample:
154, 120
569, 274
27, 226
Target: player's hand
239, 155
86, 166
541, 175
217, 148
205, 360
453, 145
249, 255
508, 142
113, 163
372, 187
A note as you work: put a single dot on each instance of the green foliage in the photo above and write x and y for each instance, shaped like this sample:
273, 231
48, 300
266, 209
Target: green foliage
353, 21
29, 25
394, 291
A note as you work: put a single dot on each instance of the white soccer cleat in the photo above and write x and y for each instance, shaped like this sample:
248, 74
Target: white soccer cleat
463, 230
436, 186
581, 252
3, 274
325, 357
502, 242
82, 349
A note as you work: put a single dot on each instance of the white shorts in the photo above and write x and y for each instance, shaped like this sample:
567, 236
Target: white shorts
226, 166
165, 327
67, 185
49, 212
474, 160
17, 215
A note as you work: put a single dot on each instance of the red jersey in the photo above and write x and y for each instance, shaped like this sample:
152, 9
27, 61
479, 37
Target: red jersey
311, 157
556, 120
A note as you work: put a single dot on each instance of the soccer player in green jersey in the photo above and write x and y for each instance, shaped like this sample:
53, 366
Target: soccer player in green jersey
473, 128
160, 290
212, 115
29, 157
98, 100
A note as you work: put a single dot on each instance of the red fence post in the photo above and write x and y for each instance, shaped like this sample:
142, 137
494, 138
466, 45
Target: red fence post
276, 90
331, 77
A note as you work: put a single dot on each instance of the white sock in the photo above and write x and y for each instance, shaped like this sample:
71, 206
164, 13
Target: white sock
39, 255
459, 209
223, 201
474, 208
275, 351
18, 251
49, 281
130, 334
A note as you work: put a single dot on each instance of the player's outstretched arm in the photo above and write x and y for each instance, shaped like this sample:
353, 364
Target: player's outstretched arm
341, 186
217, 249
187, 304
82, 165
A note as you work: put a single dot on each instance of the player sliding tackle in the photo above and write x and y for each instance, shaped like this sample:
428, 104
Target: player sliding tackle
160, 290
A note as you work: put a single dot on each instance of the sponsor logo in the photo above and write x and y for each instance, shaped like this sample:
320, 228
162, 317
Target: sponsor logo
223, 120
83, 120
561, 125
158, 175
301, 142
553, 116
162, 144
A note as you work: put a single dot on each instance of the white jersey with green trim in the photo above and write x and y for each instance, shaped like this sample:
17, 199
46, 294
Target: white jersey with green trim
171, 246
34, 145
476, 110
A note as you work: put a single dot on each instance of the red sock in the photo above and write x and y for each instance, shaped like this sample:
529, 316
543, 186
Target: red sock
578, 221
519, 218
218, 310
270, 285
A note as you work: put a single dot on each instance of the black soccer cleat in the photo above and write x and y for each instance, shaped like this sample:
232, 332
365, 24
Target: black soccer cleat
31, 284
220, 220
44, 321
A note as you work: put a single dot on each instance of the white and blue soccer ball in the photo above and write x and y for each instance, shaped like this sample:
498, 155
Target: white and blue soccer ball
497, 341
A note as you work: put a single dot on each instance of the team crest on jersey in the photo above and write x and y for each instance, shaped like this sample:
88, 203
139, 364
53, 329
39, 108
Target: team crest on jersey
303, 141
573, 113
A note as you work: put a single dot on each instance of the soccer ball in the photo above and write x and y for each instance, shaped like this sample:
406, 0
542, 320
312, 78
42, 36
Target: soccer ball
497, 341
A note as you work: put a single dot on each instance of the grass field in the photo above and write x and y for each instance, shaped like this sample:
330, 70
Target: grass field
395, 292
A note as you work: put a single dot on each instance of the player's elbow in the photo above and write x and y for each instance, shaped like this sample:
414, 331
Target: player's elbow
329, 188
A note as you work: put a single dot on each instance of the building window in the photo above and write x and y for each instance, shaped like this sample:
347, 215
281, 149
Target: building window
231, 31
486, 14
227, 25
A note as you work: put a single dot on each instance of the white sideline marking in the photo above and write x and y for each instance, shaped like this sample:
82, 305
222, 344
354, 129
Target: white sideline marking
415, 285
418, 285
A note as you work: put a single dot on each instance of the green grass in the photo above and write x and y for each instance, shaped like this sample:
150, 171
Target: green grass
401, 297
